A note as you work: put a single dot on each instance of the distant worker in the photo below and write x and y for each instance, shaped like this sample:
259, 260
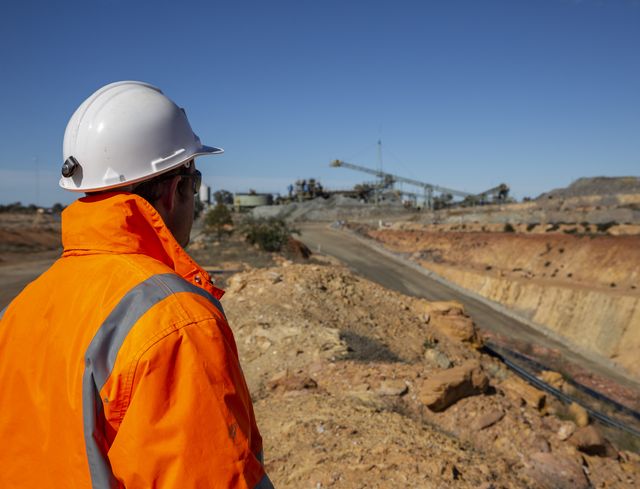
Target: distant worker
290, 189
117, 365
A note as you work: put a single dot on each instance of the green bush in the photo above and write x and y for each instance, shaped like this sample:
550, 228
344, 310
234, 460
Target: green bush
508, 228
217, 219
270, 234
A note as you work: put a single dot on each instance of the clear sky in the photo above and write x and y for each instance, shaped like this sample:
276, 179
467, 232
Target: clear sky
463, 93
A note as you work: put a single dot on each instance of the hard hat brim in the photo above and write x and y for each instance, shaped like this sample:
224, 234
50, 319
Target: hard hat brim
208, 150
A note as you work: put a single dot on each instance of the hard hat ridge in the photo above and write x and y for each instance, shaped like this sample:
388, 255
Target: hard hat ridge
124, 133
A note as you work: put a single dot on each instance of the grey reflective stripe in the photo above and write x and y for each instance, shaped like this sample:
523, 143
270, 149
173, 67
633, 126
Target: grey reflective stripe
265, 483
100, 358
104, 347
2, 312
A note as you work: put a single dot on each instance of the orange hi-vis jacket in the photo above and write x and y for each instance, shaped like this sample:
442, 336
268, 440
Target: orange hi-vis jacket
118, 367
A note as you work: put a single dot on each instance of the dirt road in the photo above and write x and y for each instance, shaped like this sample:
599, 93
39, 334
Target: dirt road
402, 276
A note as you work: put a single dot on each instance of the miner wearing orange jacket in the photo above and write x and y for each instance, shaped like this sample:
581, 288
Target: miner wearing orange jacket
117, 365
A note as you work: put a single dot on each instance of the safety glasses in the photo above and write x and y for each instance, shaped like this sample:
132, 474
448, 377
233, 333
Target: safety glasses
196, 182
195, 175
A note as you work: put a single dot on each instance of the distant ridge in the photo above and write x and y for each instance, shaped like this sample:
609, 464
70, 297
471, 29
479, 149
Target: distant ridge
596, 186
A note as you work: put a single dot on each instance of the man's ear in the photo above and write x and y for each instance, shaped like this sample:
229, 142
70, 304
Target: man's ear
169, 196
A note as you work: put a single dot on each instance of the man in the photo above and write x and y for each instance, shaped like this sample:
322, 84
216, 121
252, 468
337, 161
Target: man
117, 366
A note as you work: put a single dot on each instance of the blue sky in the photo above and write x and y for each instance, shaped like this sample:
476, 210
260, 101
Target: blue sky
463, 93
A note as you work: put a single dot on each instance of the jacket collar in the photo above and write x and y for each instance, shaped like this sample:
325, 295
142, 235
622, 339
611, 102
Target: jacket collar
124, 223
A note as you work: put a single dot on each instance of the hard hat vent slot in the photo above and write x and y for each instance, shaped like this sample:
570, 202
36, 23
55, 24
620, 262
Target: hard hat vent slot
162, 163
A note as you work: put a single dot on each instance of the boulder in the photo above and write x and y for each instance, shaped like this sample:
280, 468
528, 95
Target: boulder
555, 471
446, 387
590, 441
554, 379
519, 390
579, 415
457, 328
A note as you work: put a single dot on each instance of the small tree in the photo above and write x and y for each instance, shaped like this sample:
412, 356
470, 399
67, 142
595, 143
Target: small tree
57, 208
271, 234
223, 197
217, 220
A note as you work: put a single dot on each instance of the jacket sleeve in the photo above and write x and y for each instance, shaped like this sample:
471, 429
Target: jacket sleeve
190, 421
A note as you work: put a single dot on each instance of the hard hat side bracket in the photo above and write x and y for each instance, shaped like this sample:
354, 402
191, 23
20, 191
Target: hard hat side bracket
69, 167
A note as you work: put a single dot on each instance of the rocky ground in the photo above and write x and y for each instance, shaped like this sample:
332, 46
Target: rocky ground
358, 386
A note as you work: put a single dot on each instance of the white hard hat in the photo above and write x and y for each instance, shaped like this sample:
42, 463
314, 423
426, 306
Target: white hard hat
124, 133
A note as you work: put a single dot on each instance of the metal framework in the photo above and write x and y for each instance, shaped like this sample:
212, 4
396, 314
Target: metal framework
428, 188
388, 179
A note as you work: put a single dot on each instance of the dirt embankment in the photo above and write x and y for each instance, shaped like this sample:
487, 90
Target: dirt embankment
356, 385
585, 288
28, 233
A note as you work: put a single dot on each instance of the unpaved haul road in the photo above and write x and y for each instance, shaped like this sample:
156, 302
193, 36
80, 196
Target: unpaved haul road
397, 274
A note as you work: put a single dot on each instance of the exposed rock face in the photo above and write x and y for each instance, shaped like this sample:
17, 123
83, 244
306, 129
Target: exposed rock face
566, 311
586, 290
445, 388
